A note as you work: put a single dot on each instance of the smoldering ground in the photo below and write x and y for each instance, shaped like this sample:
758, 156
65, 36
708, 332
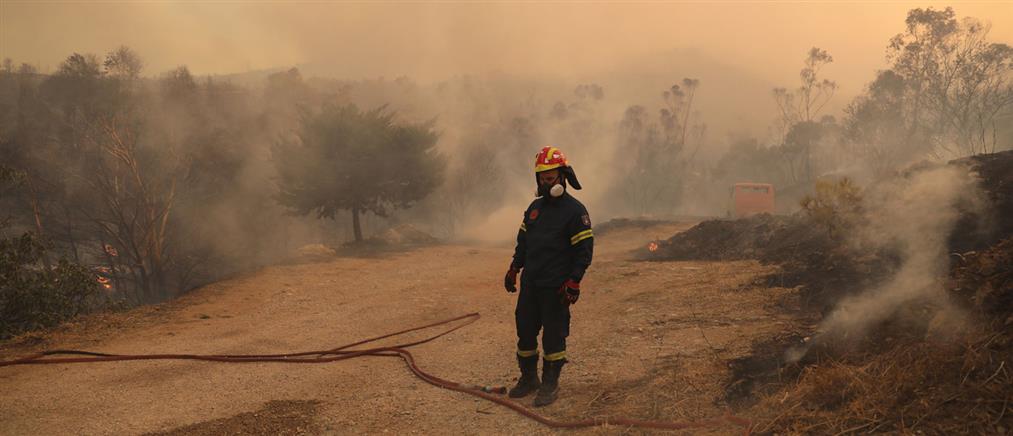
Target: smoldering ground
912, 217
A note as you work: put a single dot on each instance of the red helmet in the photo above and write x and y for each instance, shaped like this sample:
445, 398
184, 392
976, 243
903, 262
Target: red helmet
551, 158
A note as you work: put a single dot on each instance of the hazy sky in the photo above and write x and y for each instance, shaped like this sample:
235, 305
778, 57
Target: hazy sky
435, 40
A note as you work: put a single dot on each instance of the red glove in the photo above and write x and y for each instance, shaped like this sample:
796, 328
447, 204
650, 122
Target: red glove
569, 292
510, 281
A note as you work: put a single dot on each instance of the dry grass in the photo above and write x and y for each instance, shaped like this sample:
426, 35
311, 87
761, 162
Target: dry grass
938, 388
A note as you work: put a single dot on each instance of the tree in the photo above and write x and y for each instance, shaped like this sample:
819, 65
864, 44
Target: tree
748, 160
578, 123
65, 103
286, 86
179, 84
346, 159
649, 181
876, 127
123, 63
799, 150
798, 111
653, 154
474, 183
110, 171
804, 103
957, 84
80, 65
813, 92
153, 169
32, 296
591, 91
78, 89
129, 192
641, 144
675, 116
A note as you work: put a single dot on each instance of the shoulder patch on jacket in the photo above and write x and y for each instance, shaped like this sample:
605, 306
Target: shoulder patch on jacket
585, 219
533, 214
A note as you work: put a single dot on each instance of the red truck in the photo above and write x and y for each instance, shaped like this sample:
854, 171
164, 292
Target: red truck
750, 199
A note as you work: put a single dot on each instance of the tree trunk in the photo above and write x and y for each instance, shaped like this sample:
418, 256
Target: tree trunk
70, 234
356, 227
37, 212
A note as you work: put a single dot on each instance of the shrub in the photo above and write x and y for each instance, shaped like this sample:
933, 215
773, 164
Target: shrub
834, 205
33, 296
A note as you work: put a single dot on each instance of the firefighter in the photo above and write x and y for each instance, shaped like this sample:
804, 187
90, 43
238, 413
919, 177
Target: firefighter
554, 248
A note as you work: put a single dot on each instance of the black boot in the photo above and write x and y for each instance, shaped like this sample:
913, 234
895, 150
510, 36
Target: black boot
550, 382
528, 382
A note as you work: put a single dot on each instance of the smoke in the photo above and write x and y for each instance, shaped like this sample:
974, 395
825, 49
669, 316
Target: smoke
914, 217
438, 40
498, 226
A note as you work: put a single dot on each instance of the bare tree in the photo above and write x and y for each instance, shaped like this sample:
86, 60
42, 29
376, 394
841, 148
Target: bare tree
803, 104
678, 108
135, 199
814, 93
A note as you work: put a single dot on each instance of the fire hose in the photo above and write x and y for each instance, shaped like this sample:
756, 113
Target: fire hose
400, 350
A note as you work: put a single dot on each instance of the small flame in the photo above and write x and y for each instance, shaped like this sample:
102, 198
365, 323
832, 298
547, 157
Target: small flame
652, 247
105, 282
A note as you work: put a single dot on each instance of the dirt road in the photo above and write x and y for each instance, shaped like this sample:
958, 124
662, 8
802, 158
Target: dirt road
649, 341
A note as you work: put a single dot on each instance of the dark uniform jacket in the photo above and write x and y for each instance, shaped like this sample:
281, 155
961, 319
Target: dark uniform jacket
554, 243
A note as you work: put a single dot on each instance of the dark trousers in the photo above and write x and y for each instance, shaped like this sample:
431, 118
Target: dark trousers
541, 309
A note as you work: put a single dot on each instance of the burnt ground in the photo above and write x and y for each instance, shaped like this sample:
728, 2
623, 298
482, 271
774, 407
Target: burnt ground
905, 376
765, 365
617, 224
292, 417
996, 174
822, 267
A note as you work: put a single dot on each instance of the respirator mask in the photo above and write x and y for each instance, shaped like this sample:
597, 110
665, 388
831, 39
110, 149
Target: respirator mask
553, 191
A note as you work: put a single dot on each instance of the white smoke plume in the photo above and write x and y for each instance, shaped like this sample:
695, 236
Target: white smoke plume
915, 216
